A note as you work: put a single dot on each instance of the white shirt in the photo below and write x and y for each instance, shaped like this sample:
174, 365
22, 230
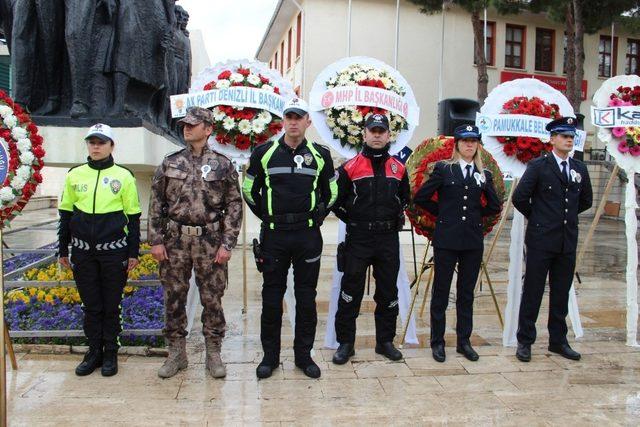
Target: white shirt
463, 166
559, 160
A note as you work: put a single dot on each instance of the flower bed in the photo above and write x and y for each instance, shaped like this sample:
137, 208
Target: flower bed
59, 308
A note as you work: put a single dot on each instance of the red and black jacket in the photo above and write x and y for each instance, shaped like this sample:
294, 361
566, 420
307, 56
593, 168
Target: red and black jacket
373, 187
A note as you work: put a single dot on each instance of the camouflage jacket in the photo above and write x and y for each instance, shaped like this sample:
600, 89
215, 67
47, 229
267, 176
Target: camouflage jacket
196, 190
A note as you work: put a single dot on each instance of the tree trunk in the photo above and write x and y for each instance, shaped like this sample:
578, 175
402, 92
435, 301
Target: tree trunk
481, 60
570, 56
579, 54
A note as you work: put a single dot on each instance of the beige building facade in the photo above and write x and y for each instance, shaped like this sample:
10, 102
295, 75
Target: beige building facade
435, 52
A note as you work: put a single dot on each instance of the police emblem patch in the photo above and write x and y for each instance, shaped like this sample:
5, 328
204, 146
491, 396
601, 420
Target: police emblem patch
214, 164
308, 159
469, 128
570, 120
115, 186
105, 180
394, 168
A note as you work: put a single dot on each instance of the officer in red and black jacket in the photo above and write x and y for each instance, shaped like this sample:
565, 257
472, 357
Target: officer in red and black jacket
373, 191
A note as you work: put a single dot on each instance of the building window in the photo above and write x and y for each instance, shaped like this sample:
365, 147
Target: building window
282, 57
491, 43
289, 38
608, 55
545, 43
275, 61
514, 46
633, 57
299, 35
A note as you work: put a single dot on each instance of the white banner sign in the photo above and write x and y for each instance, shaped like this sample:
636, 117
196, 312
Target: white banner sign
344, 96
512, 125
579, 140
238, 96
521, 125
613, 117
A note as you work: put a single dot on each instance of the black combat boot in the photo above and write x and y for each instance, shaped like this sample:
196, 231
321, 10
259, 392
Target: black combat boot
92, 360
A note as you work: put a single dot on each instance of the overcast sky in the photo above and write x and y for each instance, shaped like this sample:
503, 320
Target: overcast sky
232, 29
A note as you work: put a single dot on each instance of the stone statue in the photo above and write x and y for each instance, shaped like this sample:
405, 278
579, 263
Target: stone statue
96, 58
37, 23
182, 53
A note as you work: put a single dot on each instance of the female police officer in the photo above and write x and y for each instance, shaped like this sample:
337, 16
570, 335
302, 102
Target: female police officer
458, 238
100, 218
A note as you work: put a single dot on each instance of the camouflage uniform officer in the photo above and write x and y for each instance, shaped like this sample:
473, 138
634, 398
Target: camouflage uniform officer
195, 215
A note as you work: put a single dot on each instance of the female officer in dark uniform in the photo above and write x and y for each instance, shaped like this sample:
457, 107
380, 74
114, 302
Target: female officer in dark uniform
458, 237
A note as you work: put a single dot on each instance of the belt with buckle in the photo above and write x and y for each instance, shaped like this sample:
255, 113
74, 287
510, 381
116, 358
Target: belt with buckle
194, 230
374, 225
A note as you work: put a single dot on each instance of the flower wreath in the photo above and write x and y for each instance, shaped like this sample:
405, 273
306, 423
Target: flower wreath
346, 123
243, 128
420, 165
20, 167
522, 147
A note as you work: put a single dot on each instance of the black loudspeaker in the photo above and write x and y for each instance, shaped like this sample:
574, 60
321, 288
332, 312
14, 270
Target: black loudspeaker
454, 112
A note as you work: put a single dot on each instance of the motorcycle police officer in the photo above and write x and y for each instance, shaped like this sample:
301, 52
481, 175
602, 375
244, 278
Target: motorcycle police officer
100, 218
552, 192
290, 184
373, 190
458, 237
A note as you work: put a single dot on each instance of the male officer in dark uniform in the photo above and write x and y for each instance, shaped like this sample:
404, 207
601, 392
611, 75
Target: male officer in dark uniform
290, 184
373, 190
552, 192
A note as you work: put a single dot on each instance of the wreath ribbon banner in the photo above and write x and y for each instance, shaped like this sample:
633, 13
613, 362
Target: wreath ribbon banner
4, 163
323, 99
612, 117
242, 85
521, 125
350, 96
239, 96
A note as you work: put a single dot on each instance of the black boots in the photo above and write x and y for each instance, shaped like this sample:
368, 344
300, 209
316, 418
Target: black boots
467, 351
343, 354
388, 350
92, 360
109, 363
523, 353
565, 351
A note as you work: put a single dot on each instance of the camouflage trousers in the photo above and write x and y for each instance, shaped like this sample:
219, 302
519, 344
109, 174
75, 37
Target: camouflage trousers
198, 253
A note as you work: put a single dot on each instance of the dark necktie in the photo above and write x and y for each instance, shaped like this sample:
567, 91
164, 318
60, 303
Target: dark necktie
468, 174
564, 170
